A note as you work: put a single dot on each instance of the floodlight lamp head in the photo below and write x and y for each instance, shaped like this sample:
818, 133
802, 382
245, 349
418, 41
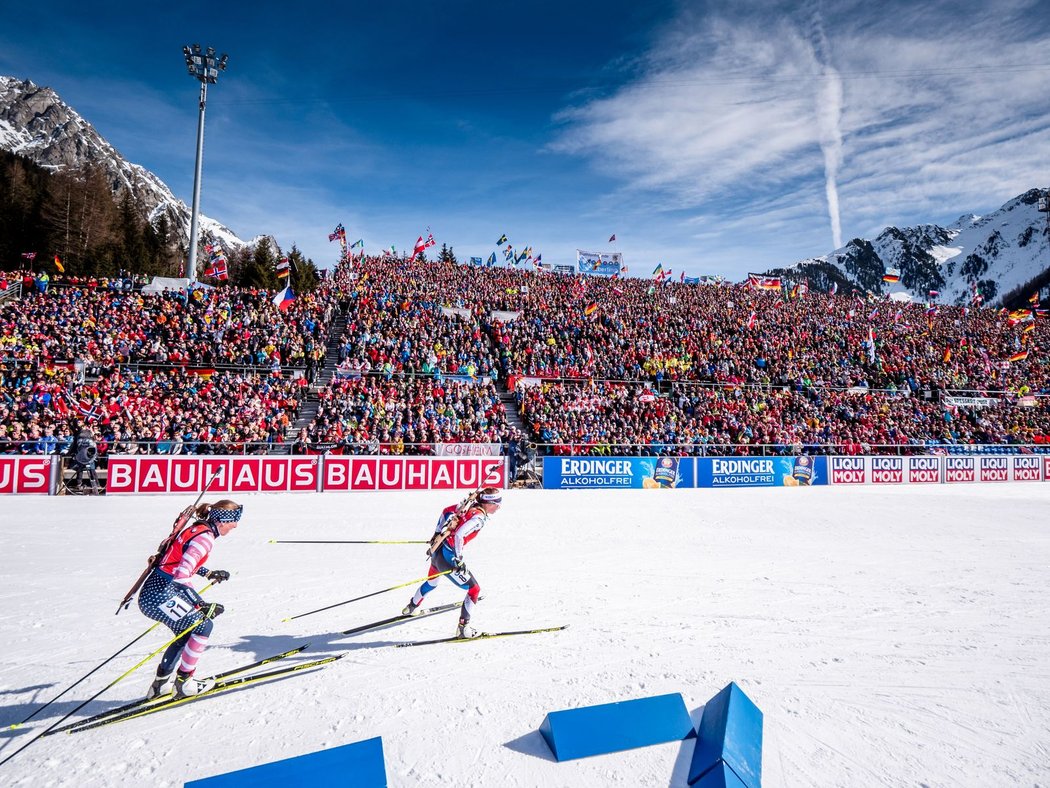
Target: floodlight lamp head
222, 61
211, 51
196, 49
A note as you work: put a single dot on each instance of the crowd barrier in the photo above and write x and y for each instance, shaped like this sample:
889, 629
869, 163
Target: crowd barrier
137, 474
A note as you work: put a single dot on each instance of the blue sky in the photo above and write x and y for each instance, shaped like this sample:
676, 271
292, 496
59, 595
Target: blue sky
711, 139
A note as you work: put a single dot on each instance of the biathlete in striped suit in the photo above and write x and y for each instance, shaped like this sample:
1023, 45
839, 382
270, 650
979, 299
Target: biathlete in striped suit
168, 597
457, 525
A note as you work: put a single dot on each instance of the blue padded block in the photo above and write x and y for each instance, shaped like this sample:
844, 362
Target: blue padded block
359, 764
730, 731
611, 727
721, 776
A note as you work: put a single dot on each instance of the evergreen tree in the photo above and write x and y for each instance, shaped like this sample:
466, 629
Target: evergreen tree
304, 277
259, 269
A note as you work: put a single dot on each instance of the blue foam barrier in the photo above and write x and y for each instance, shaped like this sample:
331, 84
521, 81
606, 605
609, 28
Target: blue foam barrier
611, 727
720, 776
359, 764
730, 734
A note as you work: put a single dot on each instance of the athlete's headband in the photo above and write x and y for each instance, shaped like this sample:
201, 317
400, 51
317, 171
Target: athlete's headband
225, 515
491, 497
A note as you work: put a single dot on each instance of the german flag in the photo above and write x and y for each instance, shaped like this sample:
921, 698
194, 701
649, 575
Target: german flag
590, 309
1021, 356
947, 355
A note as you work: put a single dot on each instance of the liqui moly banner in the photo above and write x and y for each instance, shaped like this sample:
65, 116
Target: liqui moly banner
1026, 469
353, 474
924, 470
960, 469
848, 470
137, 474
26, 475
887, 470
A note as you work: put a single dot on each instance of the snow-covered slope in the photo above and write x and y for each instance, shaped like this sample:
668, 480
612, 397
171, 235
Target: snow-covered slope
891, 637
998, 253
37, 124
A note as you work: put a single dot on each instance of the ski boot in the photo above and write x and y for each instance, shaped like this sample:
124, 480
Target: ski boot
411, 609
465, 630
156, 689
186, 686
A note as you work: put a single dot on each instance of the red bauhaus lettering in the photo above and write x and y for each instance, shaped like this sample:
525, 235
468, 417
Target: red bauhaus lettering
120, 475
153, 476
391, 474
274, 474
184, 475
303, 474
442, 474
416, 473
32, 475
364, 474
7, 474
245, 475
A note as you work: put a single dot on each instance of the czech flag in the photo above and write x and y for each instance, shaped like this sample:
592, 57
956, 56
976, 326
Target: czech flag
284, 298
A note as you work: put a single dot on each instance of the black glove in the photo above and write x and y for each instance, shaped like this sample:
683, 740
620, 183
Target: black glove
459, 564
212, 609
218, 575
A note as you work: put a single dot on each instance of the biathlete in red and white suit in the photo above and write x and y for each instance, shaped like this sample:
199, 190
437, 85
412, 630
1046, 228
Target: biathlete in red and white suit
448, 557
168, 597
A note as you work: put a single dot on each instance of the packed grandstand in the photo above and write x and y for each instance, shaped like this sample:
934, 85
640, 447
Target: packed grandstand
395, 356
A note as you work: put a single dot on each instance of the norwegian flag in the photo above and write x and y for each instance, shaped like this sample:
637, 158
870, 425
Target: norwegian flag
338, 233
218, 270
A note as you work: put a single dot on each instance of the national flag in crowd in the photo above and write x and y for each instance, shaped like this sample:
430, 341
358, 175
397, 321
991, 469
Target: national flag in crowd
30, 256
1033, 299
1019, 356
217, 269
751, 319
947, 355
612, 237
58, 265
430, 240
871, 344
658, 271
834, 288
1028, 329
931, 310
338, 233
492, 260
934, 293
537, 259
763, 282
892, 275
419, 247
874, 313
358, 243
284, 268
590, 309
284, 298
502, 240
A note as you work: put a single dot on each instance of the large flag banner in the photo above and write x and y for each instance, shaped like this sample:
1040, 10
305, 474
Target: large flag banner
763, 282
606, 264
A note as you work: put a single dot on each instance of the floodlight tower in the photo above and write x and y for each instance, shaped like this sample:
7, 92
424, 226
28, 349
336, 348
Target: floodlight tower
205, 67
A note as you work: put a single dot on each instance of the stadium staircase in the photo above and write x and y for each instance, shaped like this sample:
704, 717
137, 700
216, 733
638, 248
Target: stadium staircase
324, 376
513, 416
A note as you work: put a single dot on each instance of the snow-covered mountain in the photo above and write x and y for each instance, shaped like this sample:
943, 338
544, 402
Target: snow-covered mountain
999, 253
37, 124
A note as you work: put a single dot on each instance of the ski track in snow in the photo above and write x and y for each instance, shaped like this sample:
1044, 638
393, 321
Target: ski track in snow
891, 637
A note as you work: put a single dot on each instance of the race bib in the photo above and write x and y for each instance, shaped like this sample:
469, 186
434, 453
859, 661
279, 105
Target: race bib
461, 576
176, 608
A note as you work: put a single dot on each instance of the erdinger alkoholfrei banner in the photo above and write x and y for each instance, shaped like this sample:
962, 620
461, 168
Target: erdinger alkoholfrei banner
800, 471
931, 469
604, 473
237, 474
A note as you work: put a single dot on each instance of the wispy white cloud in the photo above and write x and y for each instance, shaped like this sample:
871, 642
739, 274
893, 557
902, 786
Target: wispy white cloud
903, 114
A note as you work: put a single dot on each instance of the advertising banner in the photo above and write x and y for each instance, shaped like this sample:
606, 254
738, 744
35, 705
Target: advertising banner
1026, 469
467, 449
800, 471
848, 470
354, 474
994, 469
924, 470
143, 474
599, 263
25, 475
887, 470
960, 469
624, 473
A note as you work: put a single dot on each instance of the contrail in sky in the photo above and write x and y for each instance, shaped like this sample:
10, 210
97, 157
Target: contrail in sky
829, 116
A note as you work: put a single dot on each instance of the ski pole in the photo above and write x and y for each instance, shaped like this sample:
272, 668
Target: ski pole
75, 683
348, 541
111, 684
366, 596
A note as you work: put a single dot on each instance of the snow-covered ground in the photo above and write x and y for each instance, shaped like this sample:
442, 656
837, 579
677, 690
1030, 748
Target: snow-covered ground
890, 636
